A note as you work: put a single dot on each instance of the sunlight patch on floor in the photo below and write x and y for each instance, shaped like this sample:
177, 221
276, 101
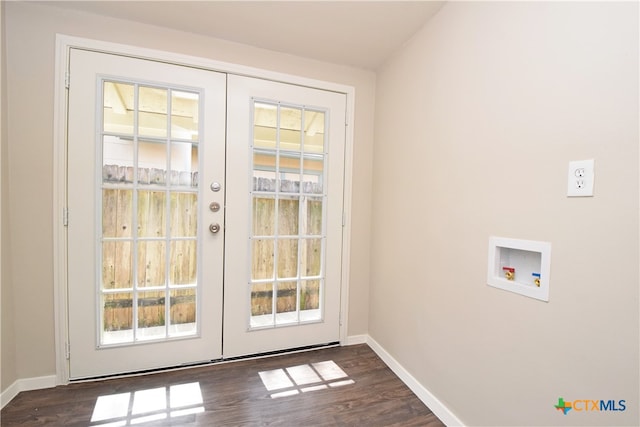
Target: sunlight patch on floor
304, 378
143, 406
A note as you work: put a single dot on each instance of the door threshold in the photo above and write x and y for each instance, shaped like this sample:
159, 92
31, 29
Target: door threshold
280, 352
205, 363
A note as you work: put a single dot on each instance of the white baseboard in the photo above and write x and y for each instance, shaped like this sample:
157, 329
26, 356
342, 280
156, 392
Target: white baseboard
437, 407
357, 339
26, 384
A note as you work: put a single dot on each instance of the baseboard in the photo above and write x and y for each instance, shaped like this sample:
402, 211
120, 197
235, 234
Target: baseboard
437, 407
26, 384
356, 339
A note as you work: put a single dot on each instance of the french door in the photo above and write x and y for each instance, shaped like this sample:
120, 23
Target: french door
185, 185
285, 174
144, 272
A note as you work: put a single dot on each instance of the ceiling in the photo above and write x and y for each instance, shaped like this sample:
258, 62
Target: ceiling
356, 33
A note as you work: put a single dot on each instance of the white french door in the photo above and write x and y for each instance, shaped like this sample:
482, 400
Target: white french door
184, 185
285, 179
144, 272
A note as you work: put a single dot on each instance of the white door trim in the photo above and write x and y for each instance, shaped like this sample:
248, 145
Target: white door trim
63, 44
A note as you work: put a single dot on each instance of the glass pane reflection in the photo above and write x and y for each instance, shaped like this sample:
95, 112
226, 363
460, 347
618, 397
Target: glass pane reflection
152, 111
184, 115
117, 111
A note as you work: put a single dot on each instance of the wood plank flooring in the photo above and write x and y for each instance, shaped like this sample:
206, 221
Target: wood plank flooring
340, 386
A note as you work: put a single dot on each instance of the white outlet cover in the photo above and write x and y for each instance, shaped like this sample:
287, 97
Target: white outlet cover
580, 178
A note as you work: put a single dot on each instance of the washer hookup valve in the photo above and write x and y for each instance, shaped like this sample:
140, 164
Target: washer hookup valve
536, 279
509, 273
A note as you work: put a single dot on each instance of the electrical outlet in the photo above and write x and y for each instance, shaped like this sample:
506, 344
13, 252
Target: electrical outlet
581, 177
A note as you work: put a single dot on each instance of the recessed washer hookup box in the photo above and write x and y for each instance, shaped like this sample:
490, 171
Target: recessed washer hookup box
520, 266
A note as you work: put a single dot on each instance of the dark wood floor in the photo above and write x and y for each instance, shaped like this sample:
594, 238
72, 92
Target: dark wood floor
340, 386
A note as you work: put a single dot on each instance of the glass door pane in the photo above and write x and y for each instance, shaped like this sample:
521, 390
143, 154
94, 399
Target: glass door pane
149, 288
288, 219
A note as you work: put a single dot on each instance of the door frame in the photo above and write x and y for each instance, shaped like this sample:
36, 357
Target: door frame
60, 257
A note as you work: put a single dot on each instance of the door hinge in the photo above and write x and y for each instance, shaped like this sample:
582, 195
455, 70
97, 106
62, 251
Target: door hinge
344, 219
65, 217
67, 350
67, 79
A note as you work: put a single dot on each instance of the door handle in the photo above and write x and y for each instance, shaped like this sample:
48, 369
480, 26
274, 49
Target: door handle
214, 228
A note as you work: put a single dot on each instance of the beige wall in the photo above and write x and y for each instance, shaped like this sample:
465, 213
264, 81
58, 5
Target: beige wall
7, 347
30, 70
476, 121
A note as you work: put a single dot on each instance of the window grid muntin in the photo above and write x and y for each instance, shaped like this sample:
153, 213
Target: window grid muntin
168, 188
